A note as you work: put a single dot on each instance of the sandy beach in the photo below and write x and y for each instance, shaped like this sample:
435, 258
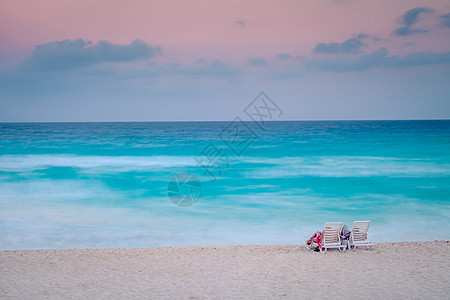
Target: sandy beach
412, 270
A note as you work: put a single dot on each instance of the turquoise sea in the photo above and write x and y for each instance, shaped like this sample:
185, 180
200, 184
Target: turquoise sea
92, 185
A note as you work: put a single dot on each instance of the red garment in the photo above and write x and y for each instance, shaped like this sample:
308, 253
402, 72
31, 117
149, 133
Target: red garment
318, 240
317, 237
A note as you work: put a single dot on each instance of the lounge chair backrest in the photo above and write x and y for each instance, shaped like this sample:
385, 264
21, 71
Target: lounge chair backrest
331, 232
359, 230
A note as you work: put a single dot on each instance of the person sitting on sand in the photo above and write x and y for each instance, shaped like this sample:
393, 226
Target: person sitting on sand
315, 241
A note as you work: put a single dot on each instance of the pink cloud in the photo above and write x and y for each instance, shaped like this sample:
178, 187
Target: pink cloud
187, 30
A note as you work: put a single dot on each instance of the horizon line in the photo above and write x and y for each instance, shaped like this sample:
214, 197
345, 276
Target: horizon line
185, 121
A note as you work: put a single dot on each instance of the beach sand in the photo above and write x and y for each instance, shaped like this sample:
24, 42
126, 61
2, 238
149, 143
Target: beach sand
412, 270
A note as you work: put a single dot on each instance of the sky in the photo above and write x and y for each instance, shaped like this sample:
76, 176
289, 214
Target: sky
180, 60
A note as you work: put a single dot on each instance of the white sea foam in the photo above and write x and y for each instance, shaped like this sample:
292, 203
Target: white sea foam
344, 166
264, 146
34, 162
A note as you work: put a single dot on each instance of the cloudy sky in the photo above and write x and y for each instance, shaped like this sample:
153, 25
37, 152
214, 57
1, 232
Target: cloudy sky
140, 60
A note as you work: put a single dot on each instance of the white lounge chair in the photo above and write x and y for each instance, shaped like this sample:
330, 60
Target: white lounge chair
332, 236
359, 235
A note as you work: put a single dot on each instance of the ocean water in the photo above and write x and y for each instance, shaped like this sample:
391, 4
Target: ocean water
92, 185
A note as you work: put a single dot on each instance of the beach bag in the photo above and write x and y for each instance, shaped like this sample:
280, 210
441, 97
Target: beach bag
345, 232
